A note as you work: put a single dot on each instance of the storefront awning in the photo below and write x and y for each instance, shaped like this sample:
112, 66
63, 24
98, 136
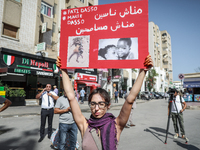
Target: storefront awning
89, 83
191, 84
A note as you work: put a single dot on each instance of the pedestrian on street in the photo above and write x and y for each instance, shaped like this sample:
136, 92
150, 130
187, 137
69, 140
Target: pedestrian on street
55, 89
47, 110
82, 93
177, 115
130, 122
107, 128
67, 125
116, 96
6, 103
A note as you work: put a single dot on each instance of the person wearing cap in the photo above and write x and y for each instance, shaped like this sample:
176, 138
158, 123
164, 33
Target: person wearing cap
55, 89
177, 108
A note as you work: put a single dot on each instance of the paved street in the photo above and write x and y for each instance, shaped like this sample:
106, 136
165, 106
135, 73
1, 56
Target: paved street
22, 132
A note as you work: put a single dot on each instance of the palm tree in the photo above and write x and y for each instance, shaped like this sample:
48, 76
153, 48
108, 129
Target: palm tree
151, 80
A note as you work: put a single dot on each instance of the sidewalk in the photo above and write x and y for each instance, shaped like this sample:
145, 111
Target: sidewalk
17, 111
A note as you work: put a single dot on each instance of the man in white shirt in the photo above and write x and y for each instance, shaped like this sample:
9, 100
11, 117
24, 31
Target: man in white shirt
177, 114
47, 110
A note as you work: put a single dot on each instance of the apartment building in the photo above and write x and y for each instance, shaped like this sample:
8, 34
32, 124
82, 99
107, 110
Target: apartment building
160, 50
167, 56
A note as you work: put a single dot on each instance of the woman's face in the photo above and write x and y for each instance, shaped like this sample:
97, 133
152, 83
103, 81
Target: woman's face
96, 111
111, 54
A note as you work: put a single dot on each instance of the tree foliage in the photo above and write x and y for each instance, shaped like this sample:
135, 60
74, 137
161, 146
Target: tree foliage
151, 80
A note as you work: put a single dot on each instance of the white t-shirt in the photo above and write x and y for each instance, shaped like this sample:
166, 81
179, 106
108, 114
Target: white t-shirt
178, 104
45, 100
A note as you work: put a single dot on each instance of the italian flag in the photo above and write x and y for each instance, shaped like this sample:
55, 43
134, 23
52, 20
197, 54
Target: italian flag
55, 68
8, 59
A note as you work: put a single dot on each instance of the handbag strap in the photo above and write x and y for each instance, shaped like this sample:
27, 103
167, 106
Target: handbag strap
181, 102
96, 139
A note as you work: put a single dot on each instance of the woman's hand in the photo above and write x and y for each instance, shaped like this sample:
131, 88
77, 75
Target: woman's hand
148, 63
58, 64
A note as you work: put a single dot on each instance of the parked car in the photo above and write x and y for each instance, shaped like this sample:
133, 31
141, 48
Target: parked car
160, 95
145, 95
156, 96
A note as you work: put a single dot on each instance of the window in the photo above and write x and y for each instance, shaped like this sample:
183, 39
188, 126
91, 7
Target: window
46, 9
82, 1
10, 31
18, 1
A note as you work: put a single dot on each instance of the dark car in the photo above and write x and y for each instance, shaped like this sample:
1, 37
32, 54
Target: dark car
145, 95
156, 96
160, 95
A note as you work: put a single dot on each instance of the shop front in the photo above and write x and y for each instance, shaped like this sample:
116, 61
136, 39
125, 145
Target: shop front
26, 71
192, 87
87, 79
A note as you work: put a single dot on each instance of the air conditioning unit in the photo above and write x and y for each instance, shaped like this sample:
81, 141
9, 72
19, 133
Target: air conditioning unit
45, 54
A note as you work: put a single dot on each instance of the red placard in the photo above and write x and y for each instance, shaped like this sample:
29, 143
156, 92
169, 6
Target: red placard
105, 36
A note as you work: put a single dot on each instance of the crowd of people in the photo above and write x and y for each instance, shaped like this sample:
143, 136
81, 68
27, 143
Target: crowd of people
102, 130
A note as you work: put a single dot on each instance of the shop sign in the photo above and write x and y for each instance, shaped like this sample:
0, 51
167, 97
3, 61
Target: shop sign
85, 77
44, 27
44, 73
24, 71
18, 63
41, 47
87, 71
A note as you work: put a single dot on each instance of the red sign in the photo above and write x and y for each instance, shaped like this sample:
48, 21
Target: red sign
81, 76
105, 36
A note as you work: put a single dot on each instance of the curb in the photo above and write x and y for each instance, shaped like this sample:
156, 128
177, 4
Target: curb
193, 107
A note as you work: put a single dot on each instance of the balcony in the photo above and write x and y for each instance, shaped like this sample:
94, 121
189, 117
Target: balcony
164, 45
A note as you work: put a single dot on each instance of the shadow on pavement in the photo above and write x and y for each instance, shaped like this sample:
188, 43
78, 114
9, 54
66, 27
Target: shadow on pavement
22, 142
186, 146
159, 133
3, 130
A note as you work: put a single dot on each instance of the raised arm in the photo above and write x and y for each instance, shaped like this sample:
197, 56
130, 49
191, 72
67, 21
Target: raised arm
76, 111
126, 108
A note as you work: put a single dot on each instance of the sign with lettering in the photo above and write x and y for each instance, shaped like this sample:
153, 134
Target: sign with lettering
23, 63
41, 46
105, 36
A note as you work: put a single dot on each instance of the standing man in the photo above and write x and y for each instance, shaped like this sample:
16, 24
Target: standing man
6, 103
82, 93
116, 96
177, 115
129, 122
67, 126
55, 89
47, 110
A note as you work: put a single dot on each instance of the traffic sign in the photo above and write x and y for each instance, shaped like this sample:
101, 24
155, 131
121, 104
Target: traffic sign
181, 76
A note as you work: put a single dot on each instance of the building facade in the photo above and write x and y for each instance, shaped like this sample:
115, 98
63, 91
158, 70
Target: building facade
161, 52
30, 30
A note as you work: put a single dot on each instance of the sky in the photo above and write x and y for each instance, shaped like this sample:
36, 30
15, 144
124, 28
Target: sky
181, 19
